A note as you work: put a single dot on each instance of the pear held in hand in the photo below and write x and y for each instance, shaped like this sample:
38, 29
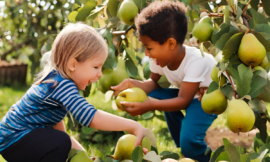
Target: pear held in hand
128, 11
134, 94
203, 30
240, 117
251, 51
81, 156
214, 102
125, 146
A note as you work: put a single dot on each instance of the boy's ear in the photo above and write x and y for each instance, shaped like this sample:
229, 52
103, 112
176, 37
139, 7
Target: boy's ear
172, 43
72, 64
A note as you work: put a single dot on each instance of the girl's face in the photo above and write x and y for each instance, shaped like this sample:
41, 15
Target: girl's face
87, 72
160, 53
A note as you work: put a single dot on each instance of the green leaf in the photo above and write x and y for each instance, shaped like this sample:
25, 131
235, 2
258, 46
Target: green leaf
86, 92
148, 115
217, 153
225, 37
263, 41
131, 68
137, 154
212, 87
260, 123
75, 6
258, 84
244, 81
227, 90
231, 149
113, 6
86, 10
152, 156
244, 158
258, 106
254, 4
146, 71
224, 156
257, 18
266, 6
232, 45
88, 130
217, 33
131, 54
168, 154
140, 3
262, 28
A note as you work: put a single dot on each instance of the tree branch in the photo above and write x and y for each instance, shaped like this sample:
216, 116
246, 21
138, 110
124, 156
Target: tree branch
16, 47
234, 91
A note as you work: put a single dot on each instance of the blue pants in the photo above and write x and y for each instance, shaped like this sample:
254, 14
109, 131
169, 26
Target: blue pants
188, 132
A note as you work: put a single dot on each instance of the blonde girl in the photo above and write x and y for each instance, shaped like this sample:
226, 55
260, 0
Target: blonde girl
33, 129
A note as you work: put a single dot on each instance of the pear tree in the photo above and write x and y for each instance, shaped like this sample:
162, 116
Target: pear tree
238, 30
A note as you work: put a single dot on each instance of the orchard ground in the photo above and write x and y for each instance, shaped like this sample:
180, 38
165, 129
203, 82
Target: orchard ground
218, 130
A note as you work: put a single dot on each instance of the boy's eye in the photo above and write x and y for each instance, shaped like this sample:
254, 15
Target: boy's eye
148, 49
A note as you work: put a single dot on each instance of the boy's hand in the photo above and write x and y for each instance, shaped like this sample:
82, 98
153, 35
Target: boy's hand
201, 91
136, 108
122, 86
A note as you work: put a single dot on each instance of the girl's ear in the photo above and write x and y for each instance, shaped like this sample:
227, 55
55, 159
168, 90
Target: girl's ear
72, 64
172, 43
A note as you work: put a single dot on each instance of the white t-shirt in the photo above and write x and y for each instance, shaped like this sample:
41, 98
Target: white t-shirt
194, 68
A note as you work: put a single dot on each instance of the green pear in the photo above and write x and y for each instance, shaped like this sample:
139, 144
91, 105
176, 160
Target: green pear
240, 117
128, 11
214, 77
81, 156
214, 102
125, 146
203, 30
113, 6
264, 63
134, 94
72, 152
113, 77
251, 51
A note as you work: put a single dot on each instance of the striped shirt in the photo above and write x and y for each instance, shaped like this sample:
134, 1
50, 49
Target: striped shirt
43, 106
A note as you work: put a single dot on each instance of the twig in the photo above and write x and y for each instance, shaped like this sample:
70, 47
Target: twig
246, 31
234, 91
231, 7
246, 6
213, 14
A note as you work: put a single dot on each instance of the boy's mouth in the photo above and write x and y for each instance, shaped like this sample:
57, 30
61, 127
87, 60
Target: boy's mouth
157, 62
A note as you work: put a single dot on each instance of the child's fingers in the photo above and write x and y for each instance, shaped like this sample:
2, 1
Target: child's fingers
145, 151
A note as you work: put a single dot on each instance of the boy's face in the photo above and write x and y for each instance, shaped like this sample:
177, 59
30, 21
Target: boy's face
88, 72
160, 53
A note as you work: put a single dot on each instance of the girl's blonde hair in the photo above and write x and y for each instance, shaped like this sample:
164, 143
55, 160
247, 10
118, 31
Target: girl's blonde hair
78, 41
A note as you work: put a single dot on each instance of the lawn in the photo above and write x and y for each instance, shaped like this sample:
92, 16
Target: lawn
10, 95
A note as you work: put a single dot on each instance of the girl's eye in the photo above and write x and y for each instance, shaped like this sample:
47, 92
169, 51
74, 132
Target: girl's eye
96, 67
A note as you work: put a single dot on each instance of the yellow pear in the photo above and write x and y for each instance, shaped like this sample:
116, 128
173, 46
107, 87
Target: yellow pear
125, 146
81, 156
264, 63
214, 77
214, 102
134, 94
128, 11
203, 30
240, 117
251, 51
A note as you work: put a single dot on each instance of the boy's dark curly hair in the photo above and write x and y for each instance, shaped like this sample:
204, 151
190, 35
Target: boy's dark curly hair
162, 20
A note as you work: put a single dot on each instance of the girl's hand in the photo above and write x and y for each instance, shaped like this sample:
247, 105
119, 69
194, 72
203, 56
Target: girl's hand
201, 91
140, 133
122, 86
136, 108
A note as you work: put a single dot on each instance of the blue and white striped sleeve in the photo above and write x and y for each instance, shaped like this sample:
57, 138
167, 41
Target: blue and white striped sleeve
67, 93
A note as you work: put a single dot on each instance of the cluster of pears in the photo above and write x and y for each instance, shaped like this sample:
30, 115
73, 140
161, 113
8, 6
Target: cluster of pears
240, 117
126, 12
113, 77
252, 52
134, 94
125, 146
203, 30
